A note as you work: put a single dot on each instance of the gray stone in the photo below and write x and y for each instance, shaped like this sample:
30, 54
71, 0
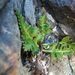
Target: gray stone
30, 11
63, 15
38, 9
10, 44
9, 25
52, 38
51, 20
60, 67
66, 30
3, 3
72, 62
58, 31
61, 3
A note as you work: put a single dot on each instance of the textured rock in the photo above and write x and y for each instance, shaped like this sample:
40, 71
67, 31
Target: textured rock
51, 20
9, 41
57, 30
72, 63
29, 11
3, 3
61, 3
60, 67
62, 15
52, 38
67, 30
10, 46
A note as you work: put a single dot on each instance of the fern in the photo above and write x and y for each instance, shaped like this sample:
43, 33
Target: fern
32, 35
58, 50
29, 35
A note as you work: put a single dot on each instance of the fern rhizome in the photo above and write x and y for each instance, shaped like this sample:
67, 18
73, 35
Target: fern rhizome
32, 35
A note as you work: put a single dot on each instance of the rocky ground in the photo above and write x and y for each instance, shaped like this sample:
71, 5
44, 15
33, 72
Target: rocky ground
61, 16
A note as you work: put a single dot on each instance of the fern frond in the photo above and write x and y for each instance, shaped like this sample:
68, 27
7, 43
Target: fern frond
58, 50
44, 26
30, 35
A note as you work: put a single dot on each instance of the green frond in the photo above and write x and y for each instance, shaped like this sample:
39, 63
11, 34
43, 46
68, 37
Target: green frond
31, 34
44, 25
64, 47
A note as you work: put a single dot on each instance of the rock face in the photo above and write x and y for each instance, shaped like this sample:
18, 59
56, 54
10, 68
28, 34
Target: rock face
10, 44
61, 3
3, 3
72, 63
63, 14
29, 11
9, 40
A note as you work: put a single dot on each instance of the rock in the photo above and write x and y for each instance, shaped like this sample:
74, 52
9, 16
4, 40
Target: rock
60, 67
10, 43
61, 3
30, 11
62, 14
58, 31
72, 62
67, 30
52, 38
51, 20
38, 9
8, 56
3, 3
